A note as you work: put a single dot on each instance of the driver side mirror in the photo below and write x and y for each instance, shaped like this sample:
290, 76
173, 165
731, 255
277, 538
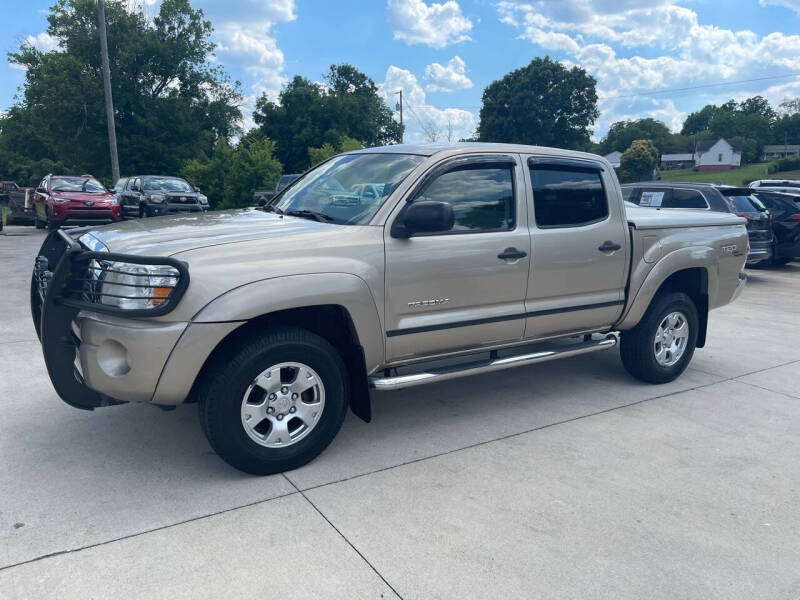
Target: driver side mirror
424, 216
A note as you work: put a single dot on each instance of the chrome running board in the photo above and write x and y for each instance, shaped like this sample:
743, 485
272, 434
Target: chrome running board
493, 364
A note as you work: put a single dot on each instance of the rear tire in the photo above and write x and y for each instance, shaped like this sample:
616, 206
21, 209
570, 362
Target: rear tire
652, 350
256, 374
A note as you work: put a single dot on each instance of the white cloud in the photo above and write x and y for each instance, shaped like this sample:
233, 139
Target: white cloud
44, 42
437, 25
245, 38
605, 37
447, 78
424, 121
790, 4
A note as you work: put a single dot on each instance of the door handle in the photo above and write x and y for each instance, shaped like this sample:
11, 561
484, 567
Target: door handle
511, 254
609, 246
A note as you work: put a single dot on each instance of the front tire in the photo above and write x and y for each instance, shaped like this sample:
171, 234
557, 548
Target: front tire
661, 346
276, 403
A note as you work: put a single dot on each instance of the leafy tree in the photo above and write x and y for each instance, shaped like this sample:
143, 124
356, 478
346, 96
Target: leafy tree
700, 120
231, 175
253, 167
638, 161
752, 119
622, 133
309, 115
542, 103
324, 152
170, 104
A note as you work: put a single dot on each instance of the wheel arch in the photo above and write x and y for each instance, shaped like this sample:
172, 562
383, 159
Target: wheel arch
339, 307
332, 322
686, 270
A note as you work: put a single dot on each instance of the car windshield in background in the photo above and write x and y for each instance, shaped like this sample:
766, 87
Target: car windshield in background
745, 204
348, 189
166, 184
77, 184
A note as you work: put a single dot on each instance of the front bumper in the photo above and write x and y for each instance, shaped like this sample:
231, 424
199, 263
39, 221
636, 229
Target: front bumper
102, 356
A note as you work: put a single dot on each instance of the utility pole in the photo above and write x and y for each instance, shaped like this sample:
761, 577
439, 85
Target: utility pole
112, 132
399, 107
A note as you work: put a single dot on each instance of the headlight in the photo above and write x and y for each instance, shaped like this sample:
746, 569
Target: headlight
113, 201
59, 200
203, 199
132, 286
156, 198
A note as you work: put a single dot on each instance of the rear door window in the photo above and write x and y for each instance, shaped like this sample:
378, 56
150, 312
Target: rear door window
566, 196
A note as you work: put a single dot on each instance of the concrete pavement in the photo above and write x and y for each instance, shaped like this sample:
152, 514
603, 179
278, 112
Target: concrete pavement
561, 480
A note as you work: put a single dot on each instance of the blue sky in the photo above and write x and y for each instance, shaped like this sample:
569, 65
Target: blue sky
442, 54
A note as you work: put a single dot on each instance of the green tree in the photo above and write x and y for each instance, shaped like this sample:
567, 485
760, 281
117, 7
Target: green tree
309, 115
622, 133
253, 166
231, 174
171, 105
542, 103
324, 152
638, 161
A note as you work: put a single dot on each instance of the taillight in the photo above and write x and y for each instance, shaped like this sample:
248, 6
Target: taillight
795, 217
745, 217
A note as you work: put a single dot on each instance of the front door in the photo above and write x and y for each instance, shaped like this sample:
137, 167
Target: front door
463, 288
580, 248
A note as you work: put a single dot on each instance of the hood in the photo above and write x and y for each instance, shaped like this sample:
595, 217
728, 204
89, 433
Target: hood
83, 196
165, 236
654, 218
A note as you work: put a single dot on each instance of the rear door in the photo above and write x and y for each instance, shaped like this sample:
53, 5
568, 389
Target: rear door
464, 288
579, 248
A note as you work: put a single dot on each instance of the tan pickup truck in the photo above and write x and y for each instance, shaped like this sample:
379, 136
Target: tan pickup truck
467, 259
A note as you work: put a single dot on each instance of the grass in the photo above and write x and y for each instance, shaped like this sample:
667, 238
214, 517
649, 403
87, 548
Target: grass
733, 177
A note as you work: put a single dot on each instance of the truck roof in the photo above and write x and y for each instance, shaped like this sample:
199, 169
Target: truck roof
454, 147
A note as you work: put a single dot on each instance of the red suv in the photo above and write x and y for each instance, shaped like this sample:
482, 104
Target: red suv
78, 199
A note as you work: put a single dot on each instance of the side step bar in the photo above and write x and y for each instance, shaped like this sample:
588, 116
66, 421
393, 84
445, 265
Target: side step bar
475, 368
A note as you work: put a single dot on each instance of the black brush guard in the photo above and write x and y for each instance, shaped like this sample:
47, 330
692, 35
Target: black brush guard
66, 279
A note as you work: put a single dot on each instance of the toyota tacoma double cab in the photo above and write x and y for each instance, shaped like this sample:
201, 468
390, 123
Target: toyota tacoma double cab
275, 321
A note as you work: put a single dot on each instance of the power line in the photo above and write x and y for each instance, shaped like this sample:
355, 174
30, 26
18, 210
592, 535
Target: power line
664, 91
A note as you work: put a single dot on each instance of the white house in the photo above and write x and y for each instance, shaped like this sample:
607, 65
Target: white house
717, 156
614, 158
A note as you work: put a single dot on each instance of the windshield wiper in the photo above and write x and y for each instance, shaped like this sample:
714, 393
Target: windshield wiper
310, 214
271, 208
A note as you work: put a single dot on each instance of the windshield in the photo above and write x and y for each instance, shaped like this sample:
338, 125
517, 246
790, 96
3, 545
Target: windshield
77, 184
166, 184
347, 189
745, 204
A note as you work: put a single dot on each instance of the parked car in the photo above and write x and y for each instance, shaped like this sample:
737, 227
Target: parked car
154, 195
785, 211
264, 197
293, 314
791, 186
76, 199
706, 196
285, 181
19, 203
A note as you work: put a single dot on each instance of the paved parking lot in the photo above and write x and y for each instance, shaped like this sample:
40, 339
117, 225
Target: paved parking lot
561, 480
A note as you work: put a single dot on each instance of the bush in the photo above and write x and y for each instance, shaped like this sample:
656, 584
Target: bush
784, 164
